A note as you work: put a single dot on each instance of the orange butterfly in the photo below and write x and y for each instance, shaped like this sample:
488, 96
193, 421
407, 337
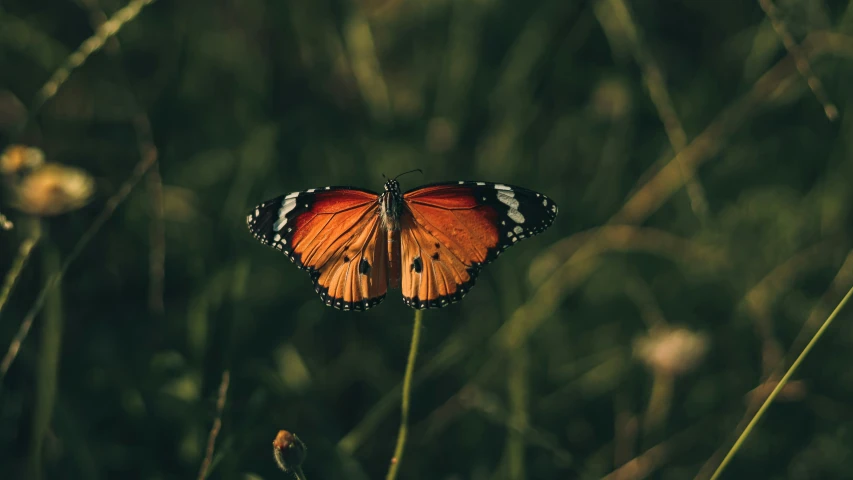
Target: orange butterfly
431, 241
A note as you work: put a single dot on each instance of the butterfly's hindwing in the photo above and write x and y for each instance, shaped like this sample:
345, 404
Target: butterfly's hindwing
433, 275
474, 222
333, 233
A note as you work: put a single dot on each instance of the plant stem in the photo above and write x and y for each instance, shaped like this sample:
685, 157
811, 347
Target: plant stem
47, 365
404, 407
217, 425
23, 255
299, 474
780, 386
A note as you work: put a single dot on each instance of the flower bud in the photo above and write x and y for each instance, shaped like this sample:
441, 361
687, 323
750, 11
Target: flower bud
288, 450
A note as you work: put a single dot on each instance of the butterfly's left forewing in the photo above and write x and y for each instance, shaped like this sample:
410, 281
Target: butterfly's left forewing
450, 230
334, 234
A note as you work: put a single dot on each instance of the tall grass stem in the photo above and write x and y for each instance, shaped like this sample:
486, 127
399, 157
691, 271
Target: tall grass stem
24, 252
217, 425
404, 404
780, 386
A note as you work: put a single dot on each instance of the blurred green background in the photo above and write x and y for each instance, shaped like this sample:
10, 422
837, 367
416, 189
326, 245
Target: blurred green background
704, 235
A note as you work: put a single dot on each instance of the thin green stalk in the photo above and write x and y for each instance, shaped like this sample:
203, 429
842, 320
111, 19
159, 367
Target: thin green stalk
91, 45
407, 390
217, 425
780, 386
297, 471
47, 365
517, 377
23, 255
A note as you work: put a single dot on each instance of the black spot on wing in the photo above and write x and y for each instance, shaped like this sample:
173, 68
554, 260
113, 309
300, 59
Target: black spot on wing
417, 265
364, 267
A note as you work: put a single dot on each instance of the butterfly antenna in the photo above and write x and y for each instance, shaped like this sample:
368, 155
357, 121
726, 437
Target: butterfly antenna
410, 171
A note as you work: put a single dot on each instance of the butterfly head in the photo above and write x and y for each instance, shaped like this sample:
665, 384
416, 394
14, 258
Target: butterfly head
392, 186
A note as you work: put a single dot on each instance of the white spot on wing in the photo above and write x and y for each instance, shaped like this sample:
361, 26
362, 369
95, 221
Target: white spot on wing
515, 215
517, 230
311, 190
277, 237
502, 187
292, 195
545, 202
508, 199
481, 183
286, 207
461, 183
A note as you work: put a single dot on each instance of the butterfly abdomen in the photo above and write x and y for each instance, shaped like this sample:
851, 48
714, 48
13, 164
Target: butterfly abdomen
394, 260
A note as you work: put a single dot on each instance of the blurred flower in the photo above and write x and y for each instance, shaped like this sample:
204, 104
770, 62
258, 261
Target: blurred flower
5, 224
674, 351
53, 189
289, 451
20, 157
611, 99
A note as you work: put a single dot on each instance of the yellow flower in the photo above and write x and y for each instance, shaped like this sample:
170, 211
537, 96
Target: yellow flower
53, 189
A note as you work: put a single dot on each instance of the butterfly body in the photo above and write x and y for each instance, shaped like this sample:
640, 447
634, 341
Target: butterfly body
391, 208
431, 241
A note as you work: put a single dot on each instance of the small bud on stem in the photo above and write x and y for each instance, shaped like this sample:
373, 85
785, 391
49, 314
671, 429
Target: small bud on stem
289, 453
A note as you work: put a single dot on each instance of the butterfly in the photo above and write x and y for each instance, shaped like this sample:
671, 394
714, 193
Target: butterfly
431, 241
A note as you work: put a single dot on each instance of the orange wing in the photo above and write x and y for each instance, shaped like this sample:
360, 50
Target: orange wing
334, 234
450, 230
433, 274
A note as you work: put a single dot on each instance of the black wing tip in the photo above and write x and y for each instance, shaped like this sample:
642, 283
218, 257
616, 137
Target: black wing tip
260, 221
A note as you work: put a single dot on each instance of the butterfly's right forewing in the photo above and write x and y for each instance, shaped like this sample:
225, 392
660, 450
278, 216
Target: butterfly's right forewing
450, 230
